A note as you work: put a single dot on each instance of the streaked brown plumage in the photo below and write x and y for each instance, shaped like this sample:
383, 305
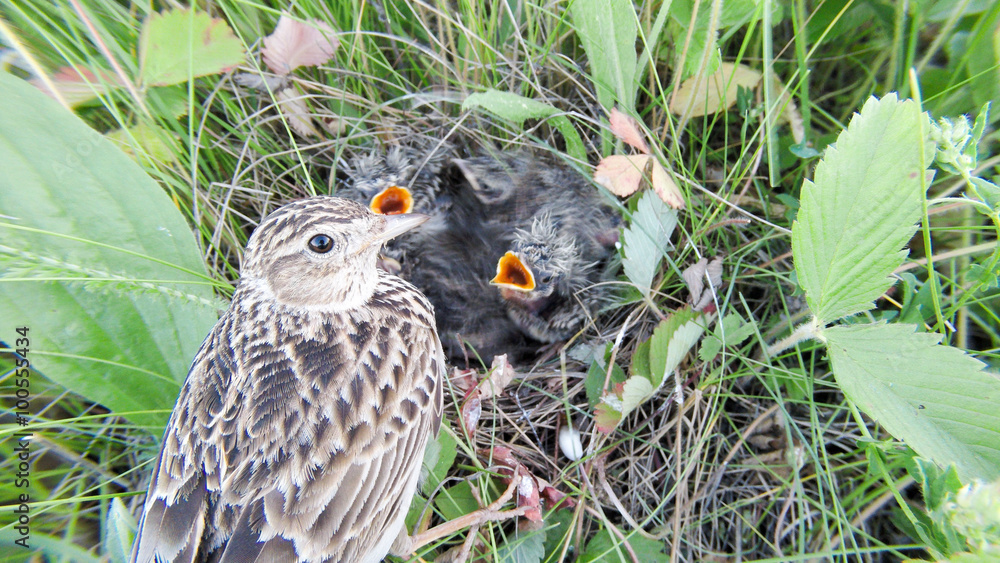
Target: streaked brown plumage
300, 430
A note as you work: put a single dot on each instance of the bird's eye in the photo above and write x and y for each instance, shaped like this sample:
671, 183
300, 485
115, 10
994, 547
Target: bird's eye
321, 244
545, 278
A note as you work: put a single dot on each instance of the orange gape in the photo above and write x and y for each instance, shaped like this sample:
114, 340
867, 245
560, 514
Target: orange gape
393, 200
512, 273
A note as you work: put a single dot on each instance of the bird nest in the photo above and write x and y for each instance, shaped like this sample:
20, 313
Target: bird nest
709, 464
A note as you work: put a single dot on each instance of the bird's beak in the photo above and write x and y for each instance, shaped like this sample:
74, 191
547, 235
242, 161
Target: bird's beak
393, 200
396, 225
513, 274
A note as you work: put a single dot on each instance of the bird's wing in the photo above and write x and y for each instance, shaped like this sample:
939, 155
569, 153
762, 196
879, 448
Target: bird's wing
338, 421
174, 516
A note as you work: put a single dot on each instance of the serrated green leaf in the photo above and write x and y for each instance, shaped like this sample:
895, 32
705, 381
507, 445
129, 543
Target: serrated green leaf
671, 341
128, 350
732, 331
640, 360
636, 391
919, 306
178, 45
989, 278
988, 192
608, 31
119, 532
935, 398
516, 108
607, 414
528, 547
646, 240
935, 483
861, 209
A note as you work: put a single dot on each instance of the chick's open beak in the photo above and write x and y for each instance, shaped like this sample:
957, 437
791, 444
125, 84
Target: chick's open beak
513, 274
393, 200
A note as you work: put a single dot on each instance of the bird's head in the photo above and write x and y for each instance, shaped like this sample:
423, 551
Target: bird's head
541, 262
382, 182
321, 251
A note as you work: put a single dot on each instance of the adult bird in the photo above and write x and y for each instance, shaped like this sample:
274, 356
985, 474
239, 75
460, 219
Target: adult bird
300, 430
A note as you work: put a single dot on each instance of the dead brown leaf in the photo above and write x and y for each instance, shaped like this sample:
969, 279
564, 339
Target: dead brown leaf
292, 106
703, 95
501, 373
696, 276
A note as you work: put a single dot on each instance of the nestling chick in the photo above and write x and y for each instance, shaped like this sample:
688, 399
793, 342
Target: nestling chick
453, 269
399, 180
542, 279
563, 241
300, 430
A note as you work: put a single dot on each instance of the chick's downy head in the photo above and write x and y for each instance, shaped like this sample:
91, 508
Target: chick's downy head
542, 262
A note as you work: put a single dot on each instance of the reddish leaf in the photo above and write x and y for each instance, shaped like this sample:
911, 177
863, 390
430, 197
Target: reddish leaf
606, 417
80, 84
625, 128
472, 410
294, 44
553, 496
527, 494
621, 174
665, 187
501, 455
